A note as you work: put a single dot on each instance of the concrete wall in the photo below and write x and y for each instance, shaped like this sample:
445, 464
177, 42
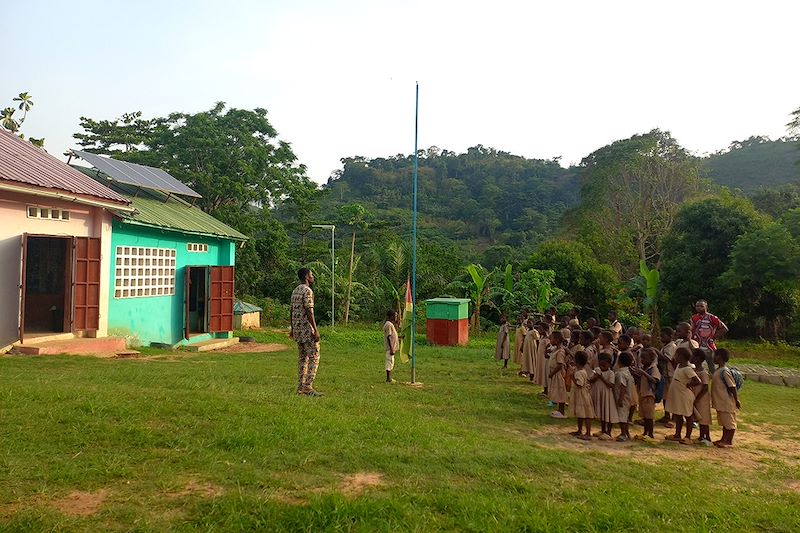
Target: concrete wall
161, 318
85, 221
247, 321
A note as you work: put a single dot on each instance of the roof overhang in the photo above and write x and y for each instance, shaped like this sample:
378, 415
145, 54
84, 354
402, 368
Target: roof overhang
65, 196
178, 230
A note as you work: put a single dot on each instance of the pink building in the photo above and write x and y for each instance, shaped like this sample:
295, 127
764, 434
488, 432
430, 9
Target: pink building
55, 239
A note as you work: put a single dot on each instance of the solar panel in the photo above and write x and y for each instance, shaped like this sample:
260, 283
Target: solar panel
133, 174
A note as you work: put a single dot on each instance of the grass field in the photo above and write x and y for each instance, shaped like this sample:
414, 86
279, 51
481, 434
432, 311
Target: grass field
220, 442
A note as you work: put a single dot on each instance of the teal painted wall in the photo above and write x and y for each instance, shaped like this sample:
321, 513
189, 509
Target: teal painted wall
161, 318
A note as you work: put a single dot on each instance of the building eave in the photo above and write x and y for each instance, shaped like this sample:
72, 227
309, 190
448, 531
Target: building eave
65, 196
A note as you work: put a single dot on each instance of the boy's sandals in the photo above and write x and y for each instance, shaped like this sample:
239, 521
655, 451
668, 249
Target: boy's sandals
672, 438
622, 438
584, 437
605, 436
575, 433
720, 444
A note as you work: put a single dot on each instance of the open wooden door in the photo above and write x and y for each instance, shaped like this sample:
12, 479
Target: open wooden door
220, 299
23, 265
86, 284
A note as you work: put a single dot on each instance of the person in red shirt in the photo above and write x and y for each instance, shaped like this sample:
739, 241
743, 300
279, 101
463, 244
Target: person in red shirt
706, 328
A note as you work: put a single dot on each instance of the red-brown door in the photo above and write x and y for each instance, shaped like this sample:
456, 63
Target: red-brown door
86, 287
23, 264
220, 301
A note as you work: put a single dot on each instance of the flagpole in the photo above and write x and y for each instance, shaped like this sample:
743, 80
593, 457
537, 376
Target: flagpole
414, 242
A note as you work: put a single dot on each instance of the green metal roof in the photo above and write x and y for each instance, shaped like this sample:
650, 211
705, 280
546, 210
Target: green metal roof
159, 210
241, 308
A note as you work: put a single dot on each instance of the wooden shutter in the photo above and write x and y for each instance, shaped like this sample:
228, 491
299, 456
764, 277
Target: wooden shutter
23, 263
220, 300
86, 289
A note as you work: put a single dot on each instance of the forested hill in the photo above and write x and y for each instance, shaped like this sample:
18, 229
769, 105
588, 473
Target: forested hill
489, 197
483, 195
755, 163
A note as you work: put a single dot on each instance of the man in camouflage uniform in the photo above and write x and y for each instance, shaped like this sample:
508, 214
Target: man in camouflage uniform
305, 333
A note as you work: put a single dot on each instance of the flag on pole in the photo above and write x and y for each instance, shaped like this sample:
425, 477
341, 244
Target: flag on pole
405, 325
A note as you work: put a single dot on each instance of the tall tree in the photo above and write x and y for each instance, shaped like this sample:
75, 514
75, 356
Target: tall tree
632, 189
355, 216
765, 277
697, 252
13, 124
232, 157
794, 126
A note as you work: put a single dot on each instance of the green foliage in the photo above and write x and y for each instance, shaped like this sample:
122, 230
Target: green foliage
9, 122
588, 283
536, 291
631, 190
776, 201
231, 157
234, 159
483, 194
764, 275
754, 163
696, 254
480, 292
275, 313
652, 285
791, 221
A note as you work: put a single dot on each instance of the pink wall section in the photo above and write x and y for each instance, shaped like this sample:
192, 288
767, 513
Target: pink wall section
85, 221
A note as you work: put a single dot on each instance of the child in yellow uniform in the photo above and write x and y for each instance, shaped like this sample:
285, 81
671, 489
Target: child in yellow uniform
586, 344
581, 398
529, 346
725, 398
539, 360
605, 409
557, 388
648, 377
519, 338
391, 343
702, 398
680, 401
624, 390
667, 370
502, 351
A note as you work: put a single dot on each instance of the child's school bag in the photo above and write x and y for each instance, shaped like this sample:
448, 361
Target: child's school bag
660, 388
737, 376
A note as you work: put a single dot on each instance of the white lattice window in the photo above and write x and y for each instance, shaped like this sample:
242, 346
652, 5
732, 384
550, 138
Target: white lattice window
141, 272
49, 213
196, 247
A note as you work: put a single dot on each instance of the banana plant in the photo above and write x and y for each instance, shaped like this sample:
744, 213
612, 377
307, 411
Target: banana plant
652, 284
477, 292
648, 284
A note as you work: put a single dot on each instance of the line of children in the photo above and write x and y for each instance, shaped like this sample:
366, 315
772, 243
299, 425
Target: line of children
607, 380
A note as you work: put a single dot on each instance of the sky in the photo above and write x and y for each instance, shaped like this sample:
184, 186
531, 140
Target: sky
534, 78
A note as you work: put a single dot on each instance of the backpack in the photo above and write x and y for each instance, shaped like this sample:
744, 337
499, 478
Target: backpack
737, 376
660, 388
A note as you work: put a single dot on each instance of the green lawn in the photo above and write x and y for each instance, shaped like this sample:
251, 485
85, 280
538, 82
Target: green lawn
219, 442
764, 353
